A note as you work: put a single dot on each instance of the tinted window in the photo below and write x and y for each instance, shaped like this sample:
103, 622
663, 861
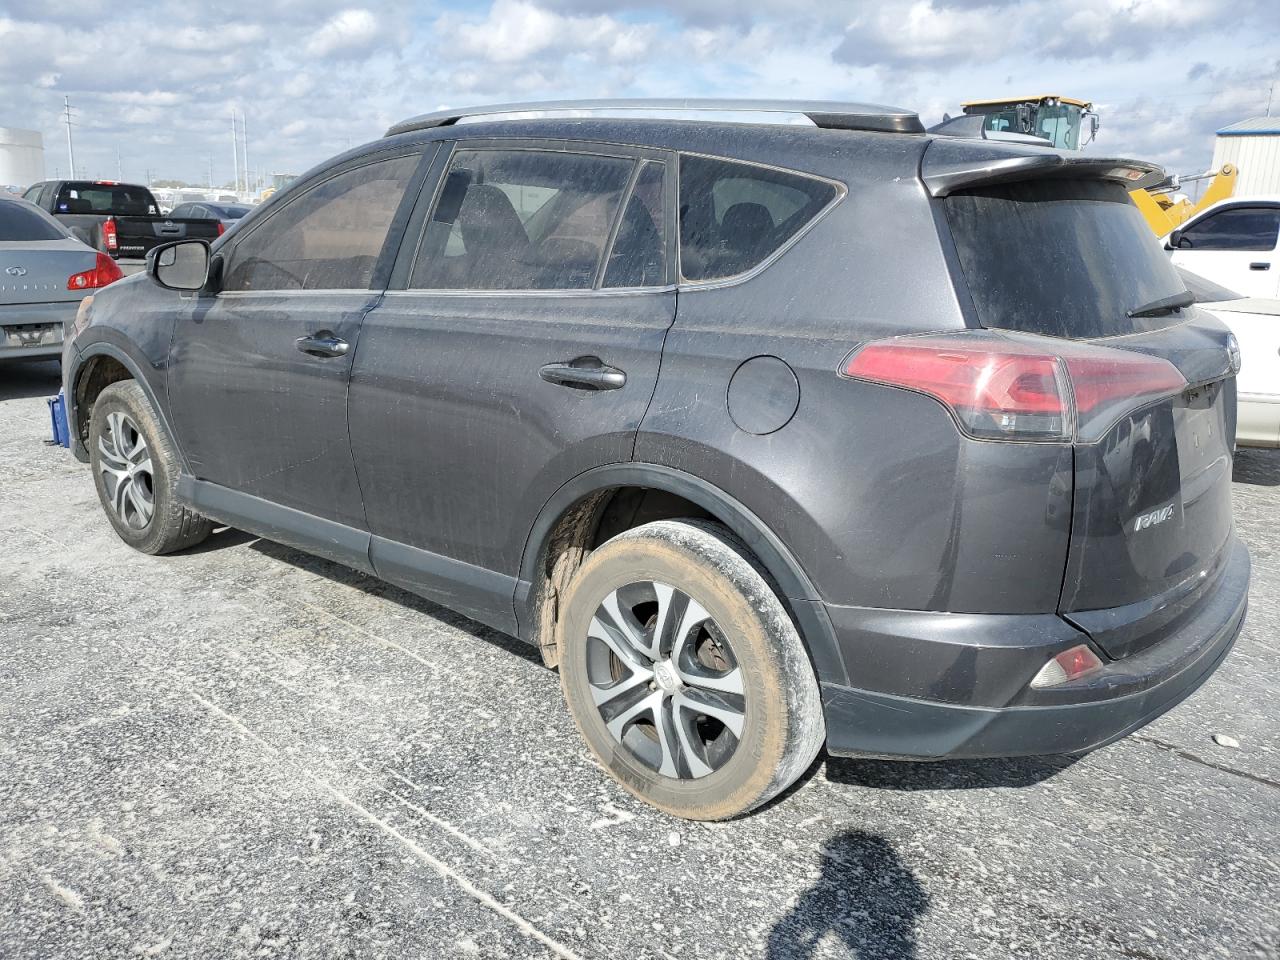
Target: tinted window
18, 221
1066, 258
638, 257
181, 210
734, 215
1239, 228
118, 200
328, 238
521, 220
227, 212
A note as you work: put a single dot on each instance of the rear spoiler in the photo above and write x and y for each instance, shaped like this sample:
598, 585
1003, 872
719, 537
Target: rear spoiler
952, 164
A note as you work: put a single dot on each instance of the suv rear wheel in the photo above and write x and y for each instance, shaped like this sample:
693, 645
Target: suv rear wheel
135, 470
684, 672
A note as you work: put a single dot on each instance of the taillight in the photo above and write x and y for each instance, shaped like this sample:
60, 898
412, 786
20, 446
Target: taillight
109, 234
1001, 388
222, 228
104, 271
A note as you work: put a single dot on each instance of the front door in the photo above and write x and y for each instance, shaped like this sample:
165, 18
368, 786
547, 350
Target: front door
1235, 246
523, 351
258, 373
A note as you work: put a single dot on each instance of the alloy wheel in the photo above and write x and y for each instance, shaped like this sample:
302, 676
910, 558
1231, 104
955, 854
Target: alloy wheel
665, 681
127, 472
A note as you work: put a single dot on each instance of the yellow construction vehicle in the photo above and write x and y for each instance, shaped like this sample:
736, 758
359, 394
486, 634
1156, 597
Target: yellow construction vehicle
1060, 120
1165, 214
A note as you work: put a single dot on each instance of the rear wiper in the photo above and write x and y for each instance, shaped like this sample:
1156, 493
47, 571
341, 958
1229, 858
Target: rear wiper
1164, 305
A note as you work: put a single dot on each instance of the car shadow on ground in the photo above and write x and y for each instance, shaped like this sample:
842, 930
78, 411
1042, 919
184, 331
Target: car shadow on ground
374, 587
946, 774
864, 898
1259, 467
24, 379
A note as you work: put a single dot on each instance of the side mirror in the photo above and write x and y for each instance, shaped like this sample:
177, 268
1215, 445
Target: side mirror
1178, 242
180, 266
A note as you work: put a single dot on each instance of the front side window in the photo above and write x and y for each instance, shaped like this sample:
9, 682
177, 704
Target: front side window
521, 220
1238, 228
734, 216
327, 238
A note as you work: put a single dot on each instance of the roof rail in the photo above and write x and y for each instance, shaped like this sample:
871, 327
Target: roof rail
828, 114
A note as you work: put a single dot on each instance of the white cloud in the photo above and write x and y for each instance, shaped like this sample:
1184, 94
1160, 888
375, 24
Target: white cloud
515, 31
347, 33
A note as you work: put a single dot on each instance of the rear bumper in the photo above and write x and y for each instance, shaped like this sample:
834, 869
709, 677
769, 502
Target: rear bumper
34, 330
976, 700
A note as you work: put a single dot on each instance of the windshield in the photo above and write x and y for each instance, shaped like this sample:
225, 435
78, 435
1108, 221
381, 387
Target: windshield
1060, 124
1064, 258
1206, 291
111, 199
19, 221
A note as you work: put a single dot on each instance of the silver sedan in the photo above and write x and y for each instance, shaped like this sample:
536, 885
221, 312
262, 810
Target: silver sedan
44, 274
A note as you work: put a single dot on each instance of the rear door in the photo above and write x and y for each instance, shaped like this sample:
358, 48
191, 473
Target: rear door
522, 350
258, 374
1235, 246
1151, 520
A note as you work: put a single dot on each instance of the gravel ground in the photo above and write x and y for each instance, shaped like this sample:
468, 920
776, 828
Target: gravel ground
243, 751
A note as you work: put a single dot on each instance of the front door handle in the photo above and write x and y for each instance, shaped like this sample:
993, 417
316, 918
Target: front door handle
1260, 265
584, 373
323, 344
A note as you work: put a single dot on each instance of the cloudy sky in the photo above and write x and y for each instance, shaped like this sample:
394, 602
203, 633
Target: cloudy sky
157, 81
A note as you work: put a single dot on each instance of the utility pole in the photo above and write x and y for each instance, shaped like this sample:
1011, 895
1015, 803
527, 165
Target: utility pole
71, 152
244, 139
119, 166
235, 151
1270, 95
210, 171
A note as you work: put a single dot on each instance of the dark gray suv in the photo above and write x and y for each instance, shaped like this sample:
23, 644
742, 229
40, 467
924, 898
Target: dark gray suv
769, 435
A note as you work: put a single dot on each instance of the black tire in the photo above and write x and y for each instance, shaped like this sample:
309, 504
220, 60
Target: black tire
746, 642
121, 417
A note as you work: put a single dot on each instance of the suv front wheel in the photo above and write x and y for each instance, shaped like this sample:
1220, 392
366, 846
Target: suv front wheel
135, 470
684, 673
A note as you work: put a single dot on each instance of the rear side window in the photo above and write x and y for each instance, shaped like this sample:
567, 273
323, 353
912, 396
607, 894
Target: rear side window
1238, 228
21, 222
329, 238
638, 257
734, 216
1064, 258
522, 220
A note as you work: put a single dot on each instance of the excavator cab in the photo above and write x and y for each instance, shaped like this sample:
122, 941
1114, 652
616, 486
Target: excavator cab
1065, 122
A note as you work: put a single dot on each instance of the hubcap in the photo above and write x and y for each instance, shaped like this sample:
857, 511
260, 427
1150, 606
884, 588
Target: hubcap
127, 477
665, 681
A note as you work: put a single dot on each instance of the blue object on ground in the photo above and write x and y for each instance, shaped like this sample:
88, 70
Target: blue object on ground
58, 418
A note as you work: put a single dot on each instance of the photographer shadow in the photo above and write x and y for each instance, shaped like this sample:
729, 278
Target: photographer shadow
865, 898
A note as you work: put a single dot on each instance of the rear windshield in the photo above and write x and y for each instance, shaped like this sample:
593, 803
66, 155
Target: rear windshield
1065, 258
18, 221
230, 212
113, 199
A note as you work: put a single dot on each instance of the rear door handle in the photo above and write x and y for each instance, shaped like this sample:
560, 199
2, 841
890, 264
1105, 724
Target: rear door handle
323, 344
584, 373
1260, 265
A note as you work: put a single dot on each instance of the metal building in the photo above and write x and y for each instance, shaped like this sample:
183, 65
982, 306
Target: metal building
21, 157
1253, 145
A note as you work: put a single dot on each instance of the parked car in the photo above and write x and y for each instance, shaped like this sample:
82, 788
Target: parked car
768, 436
227, 214
120, 219
1233, 243
1255, 321
44, 274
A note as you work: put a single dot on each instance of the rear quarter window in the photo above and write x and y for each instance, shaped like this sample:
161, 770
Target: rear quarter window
734, 215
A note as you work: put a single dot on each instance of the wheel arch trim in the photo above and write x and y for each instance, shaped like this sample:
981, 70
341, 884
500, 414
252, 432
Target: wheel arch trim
797, 591
100, 348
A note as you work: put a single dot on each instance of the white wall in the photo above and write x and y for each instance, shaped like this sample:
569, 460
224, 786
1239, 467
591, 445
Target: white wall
1257, 157
21, 156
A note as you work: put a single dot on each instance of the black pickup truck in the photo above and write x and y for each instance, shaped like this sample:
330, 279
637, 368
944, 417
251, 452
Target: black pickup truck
122, 220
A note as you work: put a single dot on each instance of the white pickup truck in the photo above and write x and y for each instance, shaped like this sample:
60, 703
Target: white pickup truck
1233, 243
